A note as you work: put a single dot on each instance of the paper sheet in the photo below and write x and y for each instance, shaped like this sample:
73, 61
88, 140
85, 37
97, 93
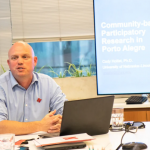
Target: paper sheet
63, 139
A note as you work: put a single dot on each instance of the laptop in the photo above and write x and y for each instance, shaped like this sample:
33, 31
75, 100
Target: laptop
91, 116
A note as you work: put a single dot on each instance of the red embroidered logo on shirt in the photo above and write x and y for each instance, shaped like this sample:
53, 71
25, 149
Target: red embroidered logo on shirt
39, 100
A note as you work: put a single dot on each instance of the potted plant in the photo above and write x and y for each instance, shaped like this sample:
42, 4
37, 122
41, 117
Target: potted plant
80, 85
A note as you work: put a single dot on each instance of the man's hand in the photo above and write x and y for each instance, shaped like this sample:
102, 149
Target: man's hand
51, 123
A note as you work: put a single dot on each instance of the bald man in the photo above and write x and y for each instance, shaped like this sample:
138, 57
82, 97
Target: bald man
26, 96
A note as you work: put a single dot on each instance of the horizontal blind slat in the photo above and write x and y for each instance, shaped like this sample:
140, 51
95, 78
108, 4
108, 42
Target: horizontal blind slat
36, 19
76, 18
52, 19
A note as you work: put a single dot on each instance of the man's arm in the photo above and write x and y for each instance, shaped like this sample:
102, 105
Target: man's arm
49, 123
58, 98
18, 128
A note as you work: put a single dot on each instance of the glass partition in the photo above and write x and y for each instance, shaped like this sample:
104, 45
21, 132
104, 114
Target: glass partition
54, 58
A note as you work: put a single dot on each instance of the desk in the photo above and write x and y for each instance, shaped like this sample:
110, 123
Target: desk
120, 102
110, 140
134, 112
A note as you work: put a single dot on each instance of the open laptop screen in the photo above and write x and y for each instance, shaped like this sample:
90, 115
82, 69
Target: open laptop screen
90, 116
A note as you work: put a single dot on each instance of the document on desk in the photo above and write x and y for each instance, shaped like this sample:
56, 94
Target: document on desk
63, 139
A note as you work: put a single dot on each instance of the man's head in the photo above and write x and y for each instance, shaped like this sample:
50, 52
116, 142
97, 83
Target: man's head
21, 60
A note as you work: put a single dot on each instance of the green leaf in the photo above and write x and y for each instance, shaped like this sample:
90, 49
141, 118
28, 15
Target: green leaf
3, 69
74, 71
41, 69
60, 74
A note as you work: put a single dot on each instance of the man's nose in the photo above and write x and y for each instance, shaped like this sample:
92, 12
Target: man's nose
20, 60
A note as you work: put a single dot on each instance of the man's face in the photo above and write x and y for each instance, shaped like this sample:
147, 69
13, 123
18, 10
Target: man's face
21, 61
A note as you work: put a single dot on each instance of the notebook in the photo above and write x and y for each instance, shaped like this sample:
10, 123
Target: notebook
91, 116
76, 138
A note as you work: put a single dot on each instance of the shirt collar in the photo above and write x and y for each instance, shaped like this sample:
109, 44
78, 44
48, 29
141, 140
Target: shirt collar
35, 79
14, 82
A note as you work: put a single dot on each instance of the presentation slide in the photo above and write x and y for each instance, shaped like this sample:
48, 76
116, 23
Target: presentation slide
122, 38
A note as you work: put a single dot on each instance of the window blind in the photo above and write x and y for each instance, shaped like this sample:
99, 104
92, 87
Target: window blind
52, 20
5, 33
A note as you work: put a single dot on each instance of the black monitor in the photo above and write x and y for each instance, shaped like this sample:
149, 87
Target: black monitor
122, 42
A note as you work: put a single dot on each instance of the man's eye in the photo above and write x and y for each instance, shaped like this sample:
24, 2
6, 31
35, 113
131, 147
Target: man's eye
25, 57
14, 58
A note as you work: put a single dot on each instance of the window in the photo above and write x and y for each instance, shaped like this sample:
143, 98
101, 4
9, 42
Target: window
58, 55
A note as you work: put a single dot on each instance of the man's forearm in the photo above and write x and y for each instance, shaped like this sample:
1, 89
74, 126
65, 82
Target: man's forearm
49, 123
19, 128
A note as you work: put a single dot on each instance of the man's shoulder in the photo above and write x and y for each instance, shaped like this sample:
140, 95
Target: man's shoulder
5, 77
45, 81
41, 76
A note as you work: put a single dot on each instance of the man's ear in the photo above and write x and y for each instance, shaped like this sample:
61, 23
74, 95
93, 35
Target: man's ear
35, 60
8, 62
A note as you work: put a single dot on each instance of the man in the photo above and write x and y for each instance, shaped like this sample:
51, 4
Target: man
26, 97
